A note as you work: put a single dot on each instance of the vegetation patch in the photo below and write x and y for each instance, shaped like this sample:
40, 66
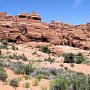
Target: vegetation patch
72, 58
45, 49
49, 59
3, 75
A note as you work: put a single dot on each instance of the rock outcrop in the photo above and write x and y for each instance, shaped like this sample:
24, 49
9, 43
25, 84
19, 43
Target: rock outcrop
27, 27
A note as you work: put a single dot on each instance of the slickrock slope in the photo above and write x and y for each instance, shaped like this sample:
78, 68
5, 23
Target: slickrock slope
27, 27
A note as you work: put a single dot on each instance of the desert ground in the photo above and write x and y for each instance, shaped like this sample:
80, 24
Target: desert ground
32, 53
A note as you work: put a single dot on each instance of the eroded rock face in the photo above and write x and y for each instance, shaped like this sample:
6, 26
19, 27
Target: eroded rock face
27, 27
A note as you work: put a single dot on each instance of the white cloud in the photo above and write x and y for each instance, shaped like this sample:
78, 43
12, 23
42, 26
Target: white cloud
77, 3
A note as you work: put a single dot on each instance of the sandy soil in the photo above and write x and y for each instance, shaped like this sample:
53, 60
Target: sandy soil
42, 83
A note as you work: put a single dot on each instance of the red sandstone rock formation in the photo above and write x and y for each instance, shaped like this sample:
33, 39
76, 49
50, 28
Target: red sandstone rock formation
27, 27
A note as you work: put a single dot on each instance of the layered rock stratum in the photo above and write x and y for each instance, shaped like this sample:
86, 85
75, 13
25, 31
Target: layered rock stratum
27, 27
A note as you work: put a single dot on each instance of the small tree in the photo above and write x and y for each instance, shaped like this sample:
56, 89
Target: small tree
14, 83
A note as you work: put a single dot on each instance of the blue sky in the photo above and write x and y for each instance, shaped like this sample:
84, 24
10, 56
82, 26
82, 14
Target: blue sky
68, 11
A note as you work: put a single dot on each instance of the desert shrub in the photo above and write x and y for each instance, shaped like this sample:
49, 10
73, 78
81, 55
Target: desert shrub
72, 58
26, 77
49, 59
41, 73
5, 63
89, 82
14, 48
19, 68
3, 57
3, 47
35, 82
14, 82
45, 49
1, 61
86, 62
80, 82
53, 71
60, 84
28, 69
23, 57
37, 60
5, 42
15, 56
26, 85
2, 69
77, 81
41, 76
69, 58
3, 76
79, 58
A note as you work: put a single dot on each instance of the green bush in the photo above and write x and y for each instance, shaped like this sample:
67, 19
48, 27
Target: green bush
79, 58
14, 82
19, 69
28, 69
72, 58
60, 84
45, 49
3, 47
3, 76
5, 42
69, 58
2, 69
71, 81
80, 82
89, 82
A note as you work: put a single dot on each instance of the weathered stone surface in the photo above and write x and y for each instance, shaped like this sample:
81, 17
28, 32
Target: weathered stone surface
27, 27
